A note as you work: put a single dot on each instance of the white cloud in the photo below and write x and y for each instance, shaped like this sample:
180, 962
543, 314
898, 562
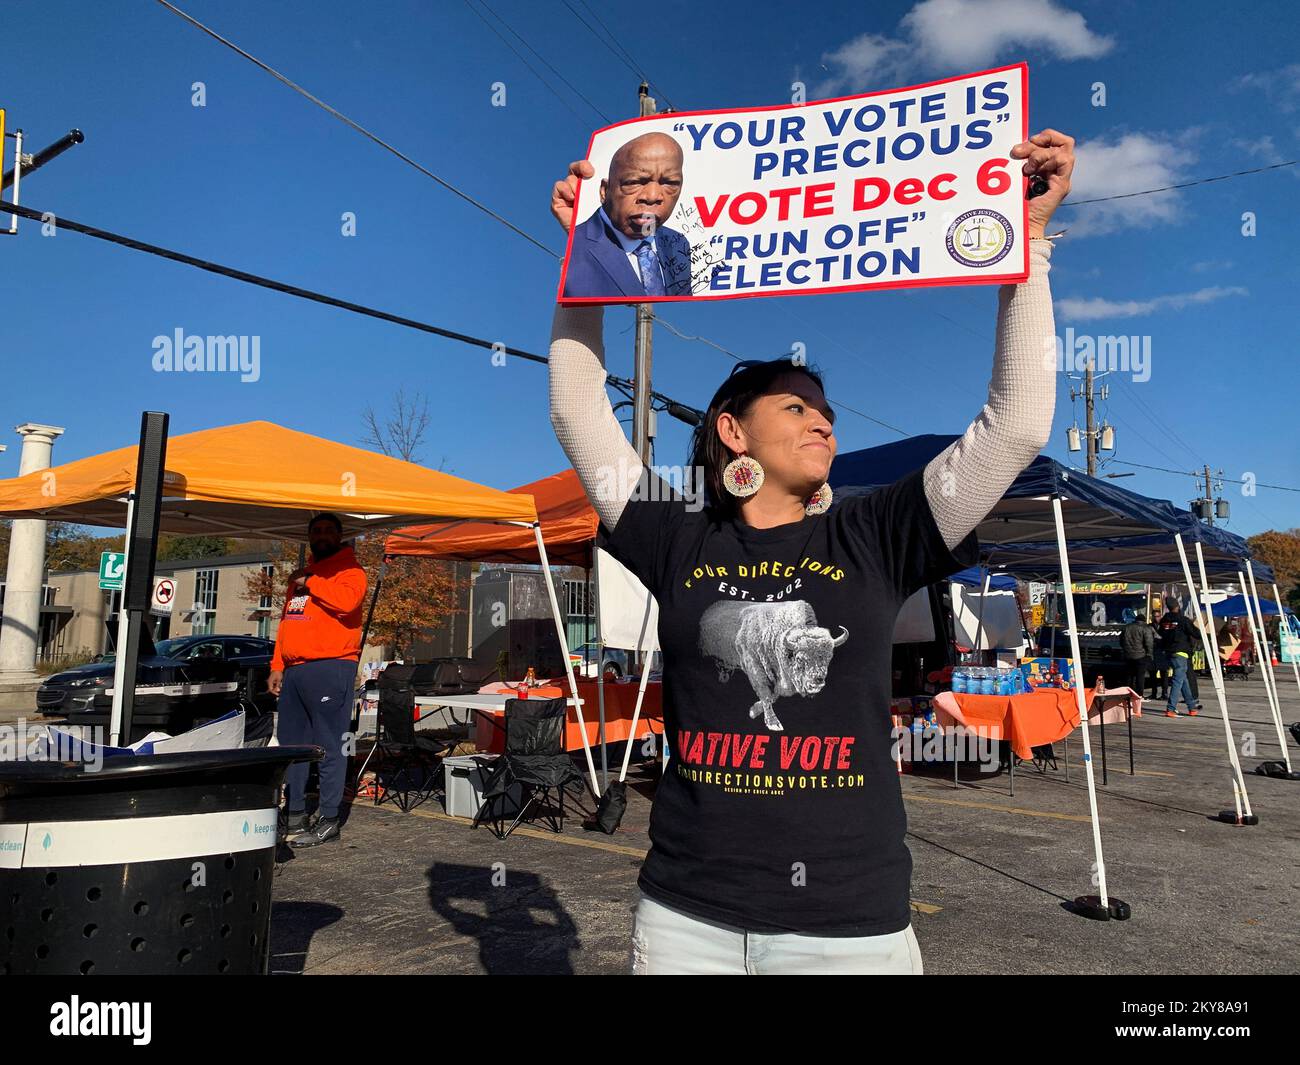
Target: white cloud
1212, 264
1133, 163
1280, 86
1263, 149
1084, 310
958, 36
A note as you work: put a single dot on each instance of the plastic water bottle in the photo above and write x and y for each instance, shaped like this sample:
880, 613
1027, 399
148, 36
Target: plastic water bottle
959, 681
988, 683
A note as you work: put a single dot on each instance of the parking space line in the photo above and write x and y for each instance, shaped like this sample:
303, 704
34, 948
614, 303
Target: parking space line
524, 830
1022, 811
595, 844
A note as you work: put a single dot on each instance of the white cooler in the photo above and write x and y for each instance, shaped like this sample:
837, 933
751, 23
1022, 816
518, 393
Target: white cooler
465, 774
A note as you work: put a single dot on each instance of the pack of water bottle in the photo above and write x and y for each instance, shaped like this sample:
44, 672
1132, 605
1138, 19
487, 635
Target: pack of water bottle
988, 680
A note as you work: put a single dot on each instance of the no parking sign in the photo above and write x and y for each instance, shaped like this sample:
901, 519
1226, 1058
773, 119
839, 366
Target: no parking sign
164, 595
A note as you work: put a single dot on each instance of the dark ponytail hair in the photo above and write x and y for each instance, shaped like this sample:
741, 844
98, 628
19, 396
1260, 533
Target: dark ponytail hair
736, 396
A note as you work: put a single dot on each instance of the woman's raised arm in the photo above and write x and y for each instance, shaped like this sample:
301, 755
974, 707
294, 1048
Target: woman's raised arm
965, 481
581, 415
584, 421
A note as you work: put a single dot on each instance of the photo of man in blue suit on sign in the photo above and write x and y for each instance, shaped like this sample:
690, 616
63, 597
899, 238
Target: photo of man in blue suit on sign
624, 249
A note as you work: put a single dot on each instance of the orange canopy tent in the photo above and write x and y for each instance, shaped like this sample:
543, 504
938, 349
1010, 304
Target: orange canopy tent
568, 520
568, 525
260, 479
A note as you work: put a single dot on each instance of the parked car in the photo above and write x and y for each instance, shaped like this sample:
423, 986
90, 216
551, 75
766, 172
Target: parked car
184, 682
615, 661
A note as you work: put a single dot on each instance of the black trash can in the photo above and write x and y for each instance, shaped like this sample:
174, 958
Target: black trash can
153, 864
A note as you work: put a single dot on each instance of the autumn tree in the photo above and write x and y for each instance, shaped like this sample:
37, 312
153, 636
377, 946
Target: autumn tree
176, 548
1281, 551
400, 433
70, 547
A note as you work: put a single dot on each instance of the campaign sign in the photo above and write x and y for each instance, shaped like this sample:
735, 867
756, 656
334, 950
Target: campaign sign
892, 189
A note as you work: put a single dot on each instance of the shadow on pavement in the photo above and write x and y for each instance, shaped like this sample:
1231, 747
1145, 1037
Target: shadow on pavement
292, 926
515, 916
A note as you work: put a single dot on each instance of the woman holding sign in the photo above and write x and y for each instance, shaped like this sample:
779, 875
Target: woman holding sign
778, 829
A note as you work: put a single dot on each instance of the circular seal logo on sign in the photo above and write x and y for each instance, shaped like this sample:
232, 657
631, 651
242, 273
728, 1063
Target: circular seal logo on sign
979, 238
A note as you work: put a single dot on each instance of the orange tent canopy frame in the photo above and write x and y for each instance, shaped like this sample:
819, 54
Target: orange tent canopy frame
568, 520
261, 479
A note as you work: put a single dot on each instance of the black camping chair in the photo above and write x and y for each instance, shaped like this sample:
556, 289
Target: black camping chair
535, 759
407, 762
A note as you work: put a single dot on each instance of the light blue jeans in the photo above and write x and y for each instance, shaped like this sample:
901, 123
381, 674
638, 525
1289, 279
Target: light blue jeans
1179, 686
666, 941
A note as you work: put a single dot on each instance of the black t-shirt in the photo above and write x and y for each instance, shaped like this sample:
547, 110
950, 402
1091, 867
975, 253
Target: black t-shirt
780, 808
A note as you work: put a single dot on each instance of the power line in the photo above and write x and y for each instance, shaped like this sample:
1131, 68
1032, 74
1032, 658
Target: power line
357, 126
610, 41
1227, 480
234, 274
577, 92
1180, 185
384, 144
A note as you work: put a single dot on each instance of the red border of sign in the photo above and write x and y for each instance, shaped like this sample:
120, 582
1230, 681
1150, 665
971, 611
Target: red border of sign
994, 279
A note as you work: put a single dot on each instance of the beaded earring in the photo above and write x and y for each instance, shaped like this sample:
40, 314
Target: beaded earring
742, 476
819, 502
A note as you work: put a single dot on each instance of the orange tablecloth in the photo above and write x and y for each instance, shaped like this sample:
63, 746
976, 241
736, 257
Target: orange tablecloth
620, 701
1030, 719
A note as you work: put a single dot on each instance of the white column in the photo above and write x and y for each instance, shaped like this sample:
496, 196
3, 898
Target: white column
22, 609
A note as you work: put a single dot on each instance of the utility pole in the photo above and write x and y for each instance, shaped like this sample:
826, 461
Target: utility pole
641, 412
1207, 508
1095, 438
1089, 408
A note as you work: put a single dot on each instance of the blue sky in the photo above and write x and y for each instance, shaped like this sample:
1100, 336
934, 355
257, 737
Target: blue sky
258, 178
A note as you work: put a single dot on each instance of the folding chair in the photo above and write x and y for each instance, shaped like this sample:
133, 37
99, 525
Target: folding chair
535, 759
400, 751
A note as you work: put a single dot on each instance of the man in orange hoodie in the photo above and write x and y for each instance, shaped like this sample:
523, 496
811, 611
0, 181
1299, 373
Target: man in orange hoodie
313, 671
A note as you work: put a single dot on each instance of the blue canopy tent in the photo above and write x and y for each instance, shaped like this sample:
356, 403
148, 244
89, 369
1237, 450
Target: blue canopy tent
974, 578
1091, 508
1235, 605
1051, 506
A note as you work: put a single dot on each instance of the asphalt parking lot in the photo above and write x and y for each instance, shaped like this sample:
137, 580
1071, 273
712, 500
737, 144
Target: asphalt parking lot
423, 893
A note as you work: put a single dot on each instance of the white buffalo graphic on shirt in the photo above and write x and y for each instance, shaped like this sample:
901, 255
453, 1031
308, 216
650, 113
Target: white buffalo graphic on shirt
779, 647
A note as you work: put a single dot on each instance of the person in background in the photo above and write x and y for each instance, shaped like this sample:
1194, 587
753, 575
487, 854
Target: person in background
1178, 637
1138, 642
1160, 664
313, 671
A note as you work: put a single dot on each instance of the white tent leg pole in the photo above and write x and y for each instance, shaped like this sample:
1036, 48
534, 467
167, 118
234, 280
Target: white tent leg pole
1238, 781
600, 679
1067, 584
979, 617
652, 642
1271, 679
119, 656
599, 687
1216, 675
636, 716
1266, 667
1294, 668
564, 655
